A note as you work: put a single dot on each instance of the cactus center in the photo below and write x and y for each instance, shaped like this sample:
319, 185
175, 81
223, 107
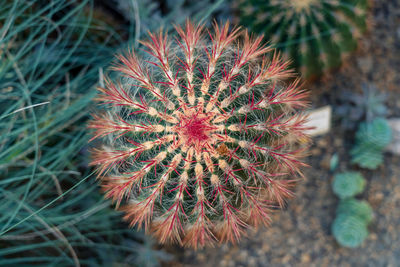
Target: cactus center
300, 5
195, 129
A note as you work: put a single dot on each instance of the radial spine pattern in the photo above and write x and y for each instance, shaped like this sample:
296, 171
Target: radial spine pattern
200, 136
316, 34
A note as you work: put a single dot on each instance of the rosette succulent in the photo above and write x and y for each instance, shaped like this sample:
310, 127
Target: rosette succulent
350, 227
348, 184
354, 207
200, 135
349, 231
371, 139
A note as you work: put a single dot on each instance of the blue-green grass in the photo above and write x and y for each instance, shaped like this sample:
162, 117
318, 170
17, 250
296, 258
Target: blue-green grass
51, 210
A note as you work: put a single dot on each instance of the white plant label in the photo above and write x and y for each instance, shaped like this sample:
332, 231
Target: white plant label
320, 121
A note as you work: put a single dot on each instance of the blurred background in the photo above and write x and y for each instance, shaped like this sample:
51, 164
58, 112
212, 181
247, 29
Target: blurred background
54, 53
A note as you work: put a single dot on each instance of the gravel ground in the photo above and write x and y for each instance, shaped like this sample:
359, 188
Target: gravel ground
300, 235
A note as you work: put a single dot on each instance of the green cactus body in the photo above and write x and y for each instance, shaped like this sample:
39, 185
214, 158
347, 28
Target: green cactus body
349, 231
348, 184
201, 136
316, 34
356, 208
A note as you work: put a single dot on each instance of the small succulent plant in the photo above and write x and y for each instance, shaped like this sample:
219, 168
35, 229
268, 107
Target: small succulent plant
371, 138
201, 137
355, 207
376, 134
355, 107
348, 184
352, 216
349, 231
316, 34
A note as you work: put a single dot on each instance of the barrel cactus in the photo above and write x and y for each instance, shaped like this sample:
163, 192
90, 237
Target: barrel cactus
316, 34
200, 136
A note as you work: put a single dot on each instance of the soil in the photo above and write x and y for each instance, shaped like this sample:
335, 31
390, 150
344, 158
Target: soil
300, 235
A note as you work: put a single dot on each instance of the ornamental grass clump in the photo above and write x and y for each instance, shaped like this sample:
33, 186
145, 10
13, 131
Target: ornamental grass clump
201, 138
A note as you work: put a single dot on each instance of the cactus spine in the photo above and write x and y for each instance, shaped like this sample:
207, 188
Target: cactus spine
200, 135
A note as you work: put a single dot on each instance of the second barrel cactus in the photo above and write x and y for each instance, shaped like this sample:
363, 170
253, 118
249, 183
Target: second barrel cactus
316, 34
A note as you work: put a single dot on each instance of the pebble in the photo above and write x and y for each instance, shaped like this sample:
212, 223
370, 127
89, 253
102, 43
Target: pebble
338, 142
326, 162
315, 151
322, 143
286, 258
305, 258
365, 64
373, 236
251, 262
243, 255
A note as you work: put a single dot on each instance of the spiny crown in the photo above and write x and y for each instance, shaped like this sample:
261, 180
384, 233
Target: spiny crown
316, 34
200, 134
300, 5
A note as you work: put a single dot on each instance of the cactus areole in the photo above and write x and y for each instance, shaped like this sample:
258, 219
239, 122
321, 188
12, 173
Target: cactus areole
200, 136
